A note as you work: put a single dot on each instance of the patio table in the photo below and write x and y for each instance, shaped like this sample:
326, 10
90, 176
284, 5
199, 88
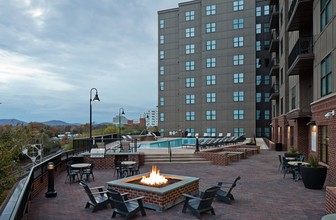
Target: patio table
80, 167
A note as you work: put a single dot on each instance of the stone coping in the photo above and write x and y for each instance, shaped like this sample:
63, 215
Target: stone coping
125, 183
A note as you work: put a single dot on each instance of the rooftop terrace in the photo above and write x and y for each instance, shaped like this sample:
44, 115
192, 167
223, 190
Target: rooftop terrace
262, 193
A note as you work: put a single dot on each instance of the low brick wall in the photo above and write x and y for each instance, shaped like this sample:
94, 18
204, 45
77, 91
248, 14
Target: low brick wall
108, 161
224, 159
330, 199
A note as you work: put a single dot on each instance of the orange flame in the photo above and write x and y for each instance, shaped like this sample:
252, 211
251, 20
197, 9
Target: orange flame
154, 178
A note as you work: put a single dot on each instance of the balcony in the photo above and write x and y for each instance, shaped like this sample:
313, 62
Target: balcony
274, 21
274, 47
300, 15
274, 92
300, 59
274, 66
274, 2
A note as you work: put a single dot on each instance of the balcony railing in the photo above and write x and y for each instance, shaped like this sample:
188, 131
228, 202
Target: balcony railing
274, 20
302, 46
274, 62
274, 2
274, 91
300, 14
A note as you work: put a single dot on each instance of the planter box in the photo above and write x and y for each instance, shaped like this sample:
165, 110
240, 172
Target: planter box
313, 178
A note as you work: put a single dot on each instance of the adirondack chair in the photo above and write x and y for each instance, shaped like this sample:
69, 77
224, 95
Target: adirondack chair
124, 206
226, 196
202, 203
98, 199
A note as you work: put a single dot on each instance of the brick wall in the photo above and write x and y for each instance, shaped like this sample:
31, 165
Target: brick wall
108, 161
319, 109
331, 200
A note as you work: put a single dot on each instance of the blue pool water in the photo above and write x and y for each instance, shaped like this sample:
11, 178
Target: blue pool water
174, 143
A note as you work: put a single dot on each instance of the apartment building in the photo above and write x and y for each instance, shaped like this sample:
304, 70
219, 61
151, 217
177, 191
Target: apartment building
303, 83
213, 68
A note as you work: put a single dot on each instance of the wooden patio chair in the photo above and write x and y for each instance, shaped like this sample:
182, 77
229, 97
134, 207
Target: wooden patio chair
98, 199
226, 196
201, 203
124, 206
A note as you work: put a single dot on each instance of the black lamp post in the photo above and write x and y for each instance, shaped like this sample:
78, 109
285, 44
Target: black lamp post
51, 191
121, 112
197, 147
96, 98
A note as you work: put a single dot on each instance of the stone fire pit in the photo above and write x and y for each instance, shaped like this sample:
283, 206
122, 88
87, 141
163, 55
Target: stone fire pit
157, 198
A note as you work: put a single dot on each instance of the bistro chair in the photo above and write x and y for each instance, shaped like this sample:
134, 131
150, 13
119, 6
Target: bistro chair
88, 172
98, 198
202, 203
124, 206
71, 174
226, 196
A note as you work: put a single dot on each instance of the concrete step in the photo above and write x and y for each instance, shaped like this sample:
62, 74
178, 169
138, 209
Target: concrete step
176, 158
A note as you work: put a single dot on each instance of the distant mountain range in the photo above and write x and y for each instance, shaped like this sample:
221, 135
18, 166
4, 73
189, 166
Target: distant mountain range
50, 123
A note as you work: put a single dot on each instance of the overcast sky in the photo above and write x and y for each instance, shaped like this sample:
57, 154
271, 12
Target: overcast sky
53, 52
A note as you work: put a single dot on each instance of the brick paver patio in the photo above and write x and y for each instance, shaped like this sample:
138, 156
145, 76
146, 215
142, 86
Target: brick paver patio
261, 194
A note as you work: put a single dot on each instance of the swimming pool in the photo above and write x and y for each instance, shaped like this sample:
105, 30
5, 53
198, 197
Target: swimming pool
173, 143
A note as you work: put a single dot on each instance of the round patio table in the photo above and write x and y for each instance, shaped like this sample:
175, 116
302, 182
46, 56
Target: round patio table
80, 166
295, 163
329, 217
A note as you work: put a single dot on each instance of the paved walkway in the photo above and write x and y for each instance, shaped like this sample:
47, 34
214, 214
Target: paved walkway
261, 194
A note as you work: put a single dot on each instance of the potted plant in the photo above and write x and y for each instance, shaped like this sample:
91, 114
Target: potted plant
314, 174
293, 152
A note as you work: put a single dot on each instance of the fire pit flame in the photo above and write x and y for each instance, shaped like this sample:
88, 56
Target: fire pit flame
154, 178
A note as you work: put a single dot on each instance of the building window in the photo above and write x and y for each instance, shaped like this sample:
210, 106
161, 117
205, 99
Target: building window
161, 54
162, 70
238, 41
238, 114
238, 78
266, 80
210, 9
281, 106
258, 115
161, 101
267, 132
258, 80
238, 5
210, 115
190, 15
161, 39
266, 44
190, 82
266, 9
162, 23
258, 45
190, 32
293, 97
190, 99
258, 11
190, 65
267, 114
238, 96
211, 45
211, 132
161, 86
238, 23
325, 12
211, 62
191, 131
211, 80
324, 144
238, 60
258, 63
326, 76
238, 131
266, 96
190, 48
161, 116
266, 27
258, 97
211, 97
258, 28
210, 28
190, 116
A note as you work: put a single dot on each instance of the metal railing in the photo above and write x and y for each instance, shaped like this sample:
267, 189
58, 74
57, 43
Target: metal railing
303, 46
291, 9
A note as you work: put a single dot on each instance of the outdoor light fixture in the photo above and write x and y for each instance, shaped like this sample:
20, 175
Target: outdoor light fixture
197, 147
96, 98
121, 112
51, 191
